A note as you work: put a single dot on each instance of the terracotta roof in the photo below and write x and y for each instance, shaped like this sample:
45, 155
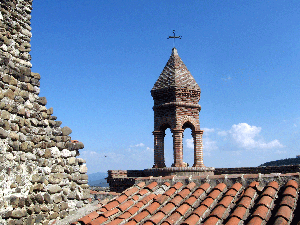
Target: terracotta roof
268, 199
175, 74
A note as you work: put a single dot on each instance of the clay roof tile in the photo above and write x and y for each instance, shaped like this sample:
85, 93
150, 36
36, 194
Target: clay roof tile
290, 191
270, 191
220, 186
207, 202
170, 192
133, 210
198, 192
85, 220
200, 210
167, 184
214, 194
98, 221
149, 223
153, 207
245, 202
102, 210
255, 221
147, 198
125, 205
131, 222
292, 183
254, 184
141, 184
284, 212
131, 191
191, 200
236, 186
288, 201
135, 198
143, 192
152, 185
218, 211
211, 221
183, 209
250, 192
157, 197
226, 201
205, 186
192, 220
178, 185
191, 185
121, 198
167, 208
157, 217
274, 185
239, 212
111, 205
261, 211
93, 215
165, 223
110, 212
233, 221
139, 204
176, 201
185, 192
140, 216
125, 215
115, 221
162, 199
173, 218
280, 221
266, 200
231, 192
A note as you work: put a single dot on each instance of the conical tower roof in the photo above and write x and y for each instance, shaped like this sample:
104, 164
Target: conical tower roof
175, 74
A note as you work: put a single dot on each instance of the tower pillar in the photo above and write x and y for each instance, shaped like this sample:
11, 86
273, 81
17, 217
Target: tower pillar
159, 158
198, 148
177, 147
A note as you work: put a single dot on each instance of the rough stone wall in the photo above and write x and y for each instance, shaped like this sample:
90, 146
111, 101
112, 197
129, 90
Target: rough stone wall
41, 180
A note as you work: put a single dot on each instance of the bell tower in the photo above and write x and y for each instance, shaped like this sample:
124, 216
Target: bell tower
176, 95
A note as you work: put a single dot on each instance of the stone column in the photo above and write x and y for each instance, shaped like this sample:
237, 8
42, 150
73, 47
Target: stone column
159, 158
198, 148
177, 147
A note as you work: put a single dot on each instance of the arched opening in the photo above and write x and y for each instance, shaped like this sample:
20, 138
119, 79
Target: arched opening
167, 145
188, 144
169, 155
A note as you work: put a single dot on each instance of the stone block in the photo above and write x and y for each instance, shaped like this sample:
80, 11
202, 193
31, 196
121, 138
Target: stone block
3, 133
18, 213
66, 131
54, 189
42, 100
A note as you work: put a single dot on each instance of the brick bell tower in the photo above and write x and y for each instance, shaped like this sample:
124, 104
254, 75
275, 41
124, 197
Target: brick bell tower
176, 95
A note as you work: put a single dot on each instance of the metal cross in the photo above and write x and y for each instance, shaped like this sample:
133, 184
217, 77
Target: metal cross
174, 37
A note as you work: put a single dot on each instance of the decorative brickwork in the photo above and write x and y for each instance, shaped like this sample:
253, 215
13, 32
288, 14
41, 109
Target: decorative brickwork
41, 180
176, 95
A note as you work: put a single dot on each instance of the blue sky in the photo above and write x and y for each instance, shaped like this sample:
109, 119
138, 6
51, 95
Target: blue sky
99, 60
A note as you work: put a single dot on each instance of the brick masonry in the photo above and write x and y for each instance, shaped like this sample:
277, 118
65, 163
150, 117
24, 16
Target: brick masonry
176, 95
41, 180
119, 180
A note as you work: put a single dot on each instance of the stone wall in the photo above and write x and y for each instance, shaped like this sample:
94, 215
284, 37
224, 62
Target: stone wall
41, 180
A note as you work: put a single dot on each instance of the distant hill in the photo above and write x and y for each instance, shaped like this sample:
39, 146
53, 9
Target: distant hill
283, 162
98, 179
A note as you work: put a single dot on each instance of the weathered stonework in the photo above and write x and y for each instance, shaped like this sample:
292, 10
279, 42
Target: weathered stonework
176, 95
41, 180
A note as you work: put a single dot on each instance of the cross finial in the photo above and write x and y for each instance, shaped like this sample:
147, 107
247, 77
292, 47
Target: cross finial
174, 38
